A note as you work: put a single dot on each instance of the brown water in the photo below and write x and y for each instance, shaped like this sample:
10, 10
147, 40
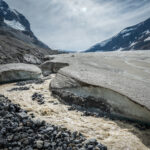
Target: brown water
116, 135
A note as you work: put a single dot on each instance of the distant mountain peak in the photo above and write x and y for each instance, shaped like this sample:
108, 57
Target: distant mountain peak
136, 37
3, 4
13, 18
17, 41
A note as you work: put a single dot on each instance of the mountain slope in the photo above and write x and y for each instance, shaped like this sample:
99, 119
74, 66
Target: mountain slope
15, 20
17, 41
131, 38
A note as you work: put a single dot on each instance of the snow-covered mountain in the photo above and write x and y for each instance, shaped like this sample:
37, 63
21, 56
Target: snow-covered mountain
15, 20
136, 37
17, 41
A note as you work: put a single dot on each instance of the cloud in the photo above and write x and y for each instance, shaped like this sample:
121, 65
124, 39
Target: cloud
78, 24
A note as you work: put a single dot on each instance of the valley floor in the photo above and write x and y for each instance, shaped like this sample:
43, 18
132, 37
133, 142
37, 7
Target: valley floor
116, 135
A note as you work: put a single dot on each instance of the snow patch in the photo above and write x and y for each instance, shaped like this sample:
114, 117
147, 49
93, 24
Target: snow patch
147, 39
132, 44
127, 30
103, 43
14, 11
127, 34
15, 24
146, 32
120, 49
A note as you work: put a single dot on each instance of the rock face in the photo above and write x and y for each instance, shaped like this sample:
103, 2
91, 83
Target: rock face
118, 81
18, 72
136, 37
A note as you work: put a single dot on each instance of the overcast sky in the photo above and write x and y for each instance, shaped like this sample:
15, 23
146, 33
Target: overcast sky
79, 24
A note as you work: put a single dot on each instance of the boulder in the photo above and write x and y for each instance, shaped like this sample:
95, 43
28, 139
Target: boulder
51, 67
18, 72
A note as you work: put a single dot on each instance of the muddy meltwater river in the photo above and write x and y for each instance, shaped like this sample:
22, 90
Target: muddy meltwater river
116, 135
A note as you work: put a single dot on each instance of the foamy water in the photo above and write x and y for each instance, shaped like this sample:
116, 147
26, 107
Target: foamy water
116, 135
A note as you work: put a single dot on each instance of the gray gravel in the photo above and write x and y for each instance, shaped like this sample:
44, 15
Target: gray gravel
19, 132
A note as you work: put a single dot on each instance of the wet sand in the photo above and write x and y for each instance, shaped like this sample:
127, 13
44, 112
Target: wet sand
116, 135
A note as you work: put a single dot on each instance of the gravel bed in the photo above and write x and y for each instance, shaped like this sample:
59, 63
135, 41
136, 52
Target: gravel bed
18, 131
37, 81
39, 98
19, 89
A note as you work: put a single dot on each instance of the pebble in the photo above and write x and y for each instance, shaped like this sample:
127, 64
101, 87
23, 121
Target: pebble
39, 144
46, 144
91, 142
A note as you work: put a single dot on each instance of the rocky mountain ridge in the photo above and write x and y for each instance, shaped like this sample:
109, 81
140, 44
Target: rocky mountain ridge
13, 19
17, 41
136, 37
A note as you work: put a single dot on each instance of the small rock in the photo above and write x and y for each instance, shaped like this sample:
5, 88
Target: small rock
26, 142
22, 115
91, 142
102, 147
46, 144
90, 147
39, 98
39, 144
